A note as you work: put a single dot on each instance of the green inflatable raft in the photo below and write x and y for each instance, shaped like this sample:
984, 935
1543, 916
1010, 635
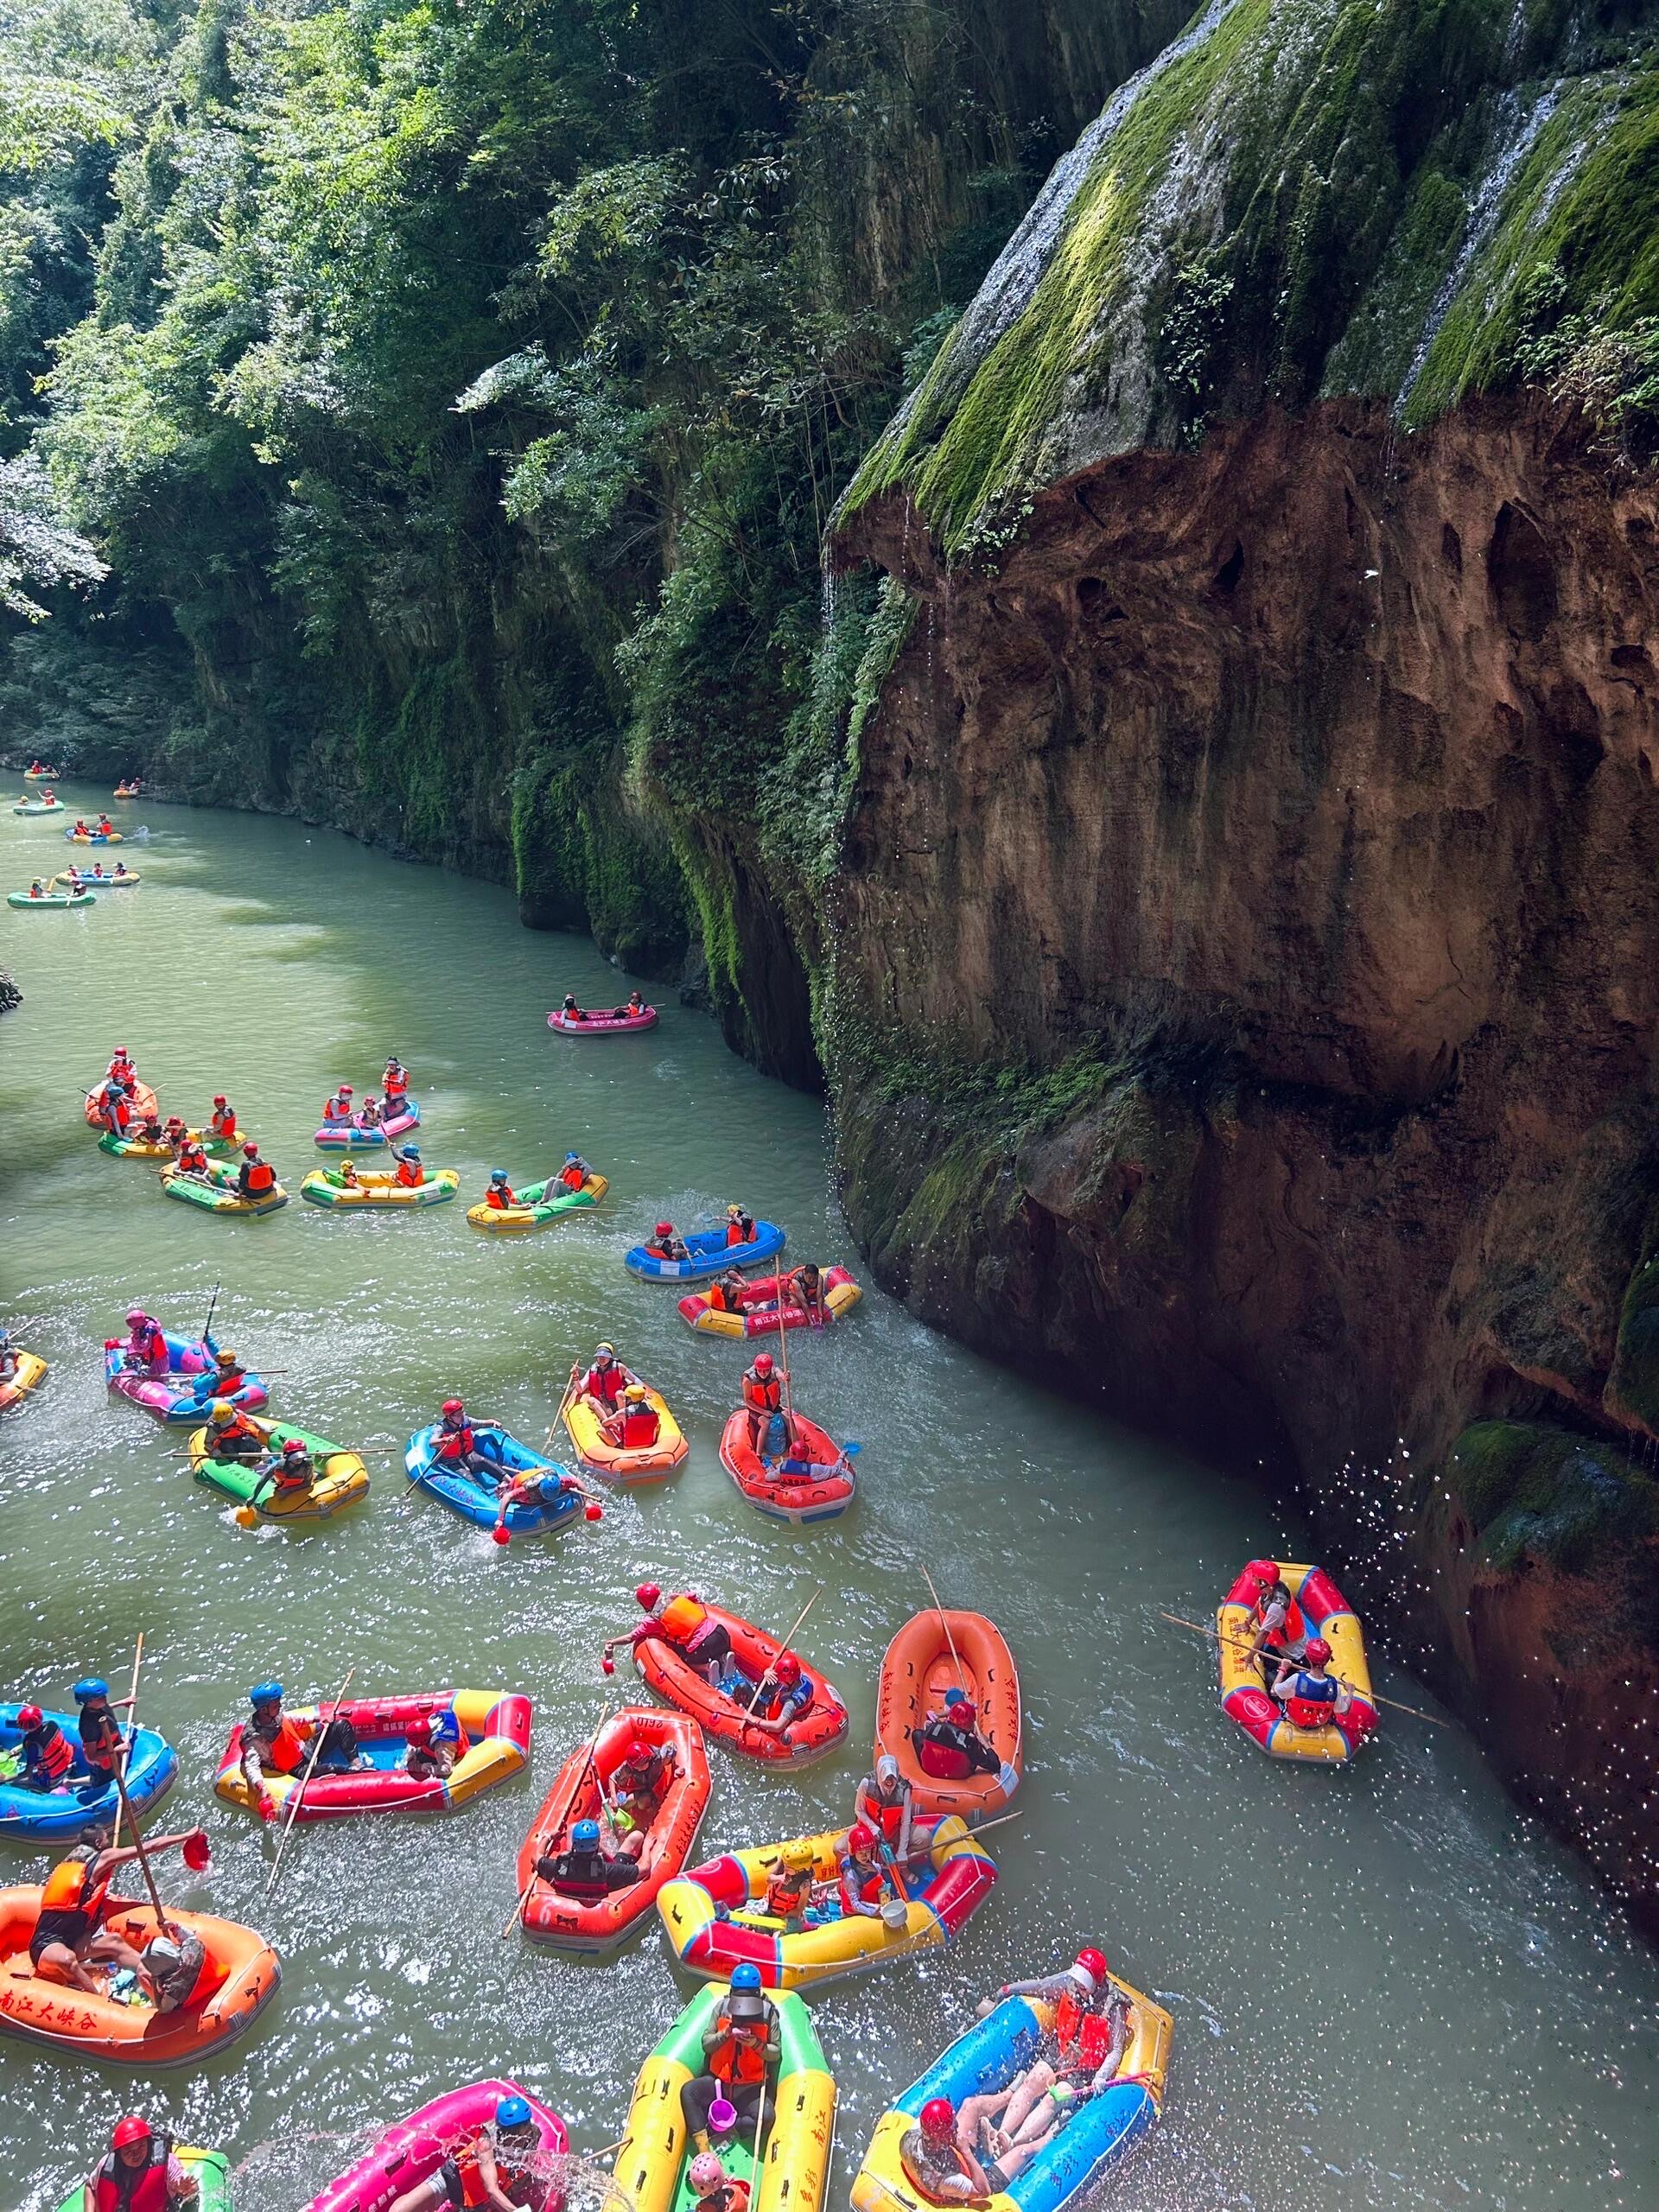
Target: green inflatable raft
340, 1478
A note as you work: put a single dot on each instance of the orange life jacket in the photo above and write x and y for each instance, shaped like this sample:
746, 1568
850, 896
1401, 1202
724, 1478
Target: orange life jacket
521, 2188
499, 1195
262, 1177
191, 1159
740, 1232
66, 1887
1294, 1629
395, 1086
787, 1891
223, 1121
889, 1819
737, 2063
57, 1754
455, 1443
681, 1618
410, 1174
764, 1393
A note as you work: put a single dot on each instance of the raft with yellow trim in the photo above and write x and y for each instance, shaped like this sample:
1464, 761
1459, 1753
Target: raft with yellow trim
538, 1204
31, 1372
1080, 2151
215, 1190
920, 1664
792, 2171
715, 1919
1244, 1697
494, 1723
648, 1463
756, 1314
339, 1477
91, 836
374, 1187
241, 1973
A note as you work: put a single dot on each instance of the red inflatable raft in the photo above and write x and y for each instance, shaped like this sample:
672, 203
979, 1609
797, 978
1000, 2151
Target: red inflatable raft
493, 1724
608, 1024
815, 1483
757, 1315
583, 1792
724, 1715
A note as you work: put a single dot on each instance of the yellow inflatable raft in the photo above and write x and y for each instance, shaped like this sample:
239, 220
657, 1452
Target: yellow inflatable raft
16, 1388
648, 1464
324, 1186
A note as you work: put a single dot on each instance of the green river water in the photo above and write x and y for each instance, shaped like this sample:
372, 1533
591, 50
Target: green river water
1389, 1989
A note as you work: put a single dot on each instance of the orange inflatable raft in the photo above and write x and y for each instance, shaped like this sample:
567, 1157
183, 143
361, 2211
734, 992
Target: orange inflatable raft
241, 1973
919, 1667
142, 1105
723, 1711
583, 1792
813, 1481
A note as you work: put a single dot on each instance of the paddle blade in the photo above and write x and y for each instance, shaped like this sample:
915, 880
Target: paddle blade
197, 1854
593, 1513
499, 1534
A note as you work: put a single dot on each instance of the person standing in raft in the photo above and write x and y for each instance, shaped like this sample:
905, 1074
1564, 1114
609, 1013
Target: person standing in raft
763, 1394
740, 2050
685, 1623
665, 1243
273, 1743
584, 1870
256, 1178
101, 1741
339, 1107
885, 1800
70, 1936
949, 1747
142, 2173
570, 1010
146, 1343
500, 1192
410, 1174
1311, 1698
785, 1696
494, 2167
394, 1085
602, 1386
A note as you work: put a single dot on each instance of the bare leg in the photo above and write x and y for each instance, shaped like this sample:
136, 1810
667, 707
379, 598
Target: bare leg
425, 2194
58, 1963
971, 2114
1032, 2085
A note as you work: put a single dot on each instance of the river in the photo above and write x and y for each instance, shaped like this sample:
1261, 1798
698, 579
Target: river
1391, 1989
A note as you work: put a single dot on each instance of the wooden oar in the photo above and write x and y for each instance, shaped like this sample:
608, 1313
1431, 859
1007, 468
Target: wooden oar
131, 1734
316, 1752
785, 1645
924, 1850
951, 1641
569, 1807
1370, 1696
138, 1845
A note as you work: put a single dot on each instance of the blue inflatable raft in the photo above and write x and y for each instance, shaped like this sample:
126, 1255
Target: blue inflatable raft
47, 1814
710, 1254
465, 1495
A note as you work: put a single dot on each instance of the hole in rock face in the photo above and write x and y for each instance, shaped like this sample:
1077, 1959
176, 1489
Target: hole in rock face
1521, 575
1227, 575
1576, 727
1633, 656
1095, 601
1451, 549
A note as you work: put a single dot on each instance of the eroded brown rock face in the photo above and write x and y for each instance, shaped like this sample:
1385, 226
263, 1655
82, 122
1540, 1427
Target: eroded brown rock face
1314, 771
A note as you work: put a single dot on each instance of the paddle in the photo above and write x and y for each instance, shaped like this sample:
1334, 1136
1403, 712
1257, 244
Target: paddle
783, 1646
316, 1752
924, 1850
569, 1807
1370, 1696
131, 1735
138, 1845
949, 1639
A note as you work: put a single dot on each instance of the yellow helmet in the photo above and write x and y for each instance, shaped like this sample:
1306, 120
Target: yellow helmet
636, 1394
220, 1412
798, 1857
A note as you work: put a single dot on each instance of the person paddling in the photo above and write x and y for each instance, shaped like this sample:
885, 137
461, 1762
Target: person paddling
605, 1381
1311, 1698
70, 1936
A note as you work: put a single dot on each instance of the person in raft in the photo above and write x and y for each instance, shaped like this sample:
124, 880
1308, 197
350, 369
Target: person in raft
101, 1741
255, 1178
174, 1133
191, 1158
289, 1477
788, 1886
1078, 2058
887, 1800
570, 1010
224, 1119
47, 1754
1281, 1631
120, 869
10, 1358
741, 2050
683, 1621
803, 1287
763, 1394
455, 1445
739, 1226
370, 1116
37, 889
142, 2173
711, 2191
113, 1106
584, 1870
493, 2167
410, 1174
394, 1084
500, 1192
639, 1784
345, 1175
145, 1343
665, 1243
636, 1005
225, 1377
339, 1107
725, 1292
602, 1386
949, 1747
235, 1438
272, 1743
637, 1426
785, 1694
574, 1173
70, 1936
1311, 1698
428, 1757
867, 1884
936, 2166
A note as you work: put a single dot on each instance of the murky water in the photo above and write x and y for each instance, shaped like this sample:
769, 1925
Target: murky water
1388, 1989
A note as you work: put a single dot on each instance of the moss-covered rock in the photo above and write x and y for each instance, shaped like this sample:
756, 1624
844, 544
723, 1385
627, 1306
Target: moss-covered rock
1530, 1491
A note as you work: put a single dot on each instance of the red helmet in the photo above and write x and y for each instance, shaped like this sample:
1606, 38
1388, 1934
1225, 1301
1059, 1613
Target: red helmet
292, 1447
419, 1729
664, 1229
1319, 1650
647, 1594
1262, 1570
939, 2119
638, 1751
787, 1668
132, 2129
860, 1838
29, 1716
452, 1406
218, 1098
1094, 1965
345, 1090
763, 1362
251, 1151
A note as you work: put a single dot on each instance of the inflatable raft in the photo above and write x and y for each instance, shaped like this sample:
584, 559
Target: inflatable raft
39, 806
646, 1463
125, 791
210, 2170
379, 1188
538, 1204
710, 1254
723, 1711
815, 1482
1244, 1697
139, 1148
42, 1815
340, 1478
465, 1495
173, 1397
51, 901
582, 1792
412, 2151
218, 1194
355, 1136
609, 1023
758, 1314
714, 1916
31, 1372
91, 836
792, 2171
242, 1974
917, 1669
1076, 2158
495, 1723
94, 879
142, 1105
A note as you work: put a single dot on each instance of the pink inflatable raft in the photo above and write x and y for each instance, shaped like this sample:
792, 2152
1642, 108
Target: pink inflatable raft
357, 1136
412, 2151
173, 1395
606, 1022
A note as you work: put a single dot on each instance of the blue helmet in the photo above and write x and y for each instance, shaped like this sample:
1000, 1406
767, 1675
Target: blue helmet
411, 1152
513, 2112
585, 1835
266, 1694
93, 1686
571, 1158
497, 1174
746, 1975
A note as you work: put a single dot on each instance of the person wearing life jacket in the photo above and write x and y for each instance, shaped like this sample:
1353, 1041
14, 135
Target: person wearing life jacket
866, 1881
394, 1084
935, 2165
763, 1394
272, 1743
639, 1425
725, 1292
1078, 2058
740, 2050
174, 1133
104, 826
114, 1108
602, 1386
256, 1178
69, 1932
1311, 1698
224, 1119
48, 1756
739, 1226
426, 1758
712, 2190
636, 1005
11, 1359
345, 1175
789, 1885
37, 889
664, 1243
179, 1964
235, 1438
683, 1621
640, 1782
339, 1107
151, 1129
191, 1158
101, 1741
456, 1445
570, 1010
410, 1174
500, 1192
1280, 1630
120, 869
574, 1173
371, 1115
494, 2167
803, 1287
225, 1378
949, 1745
289, 1476
142, 2173
80, 829
785, 1695
146, 1343
584, 1870
886, 1801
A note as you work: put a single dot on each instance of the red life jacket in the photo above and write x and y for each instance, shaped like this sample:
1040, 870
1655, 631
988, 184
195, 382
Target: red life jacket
286, 1752
455, 1443
57, 1753
740, 1232
499, 1195
640, 1429
395, 1086
764, 1393
865, 1890
223, 1121
262, 1177
889, 1819
336, 1109
737, 2063
605, 1383
410, 1175
144, 2191
522, 2188
943, 1760
658, 1251
1294, 1629
573, 1178
191, 1159
1084, 2037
